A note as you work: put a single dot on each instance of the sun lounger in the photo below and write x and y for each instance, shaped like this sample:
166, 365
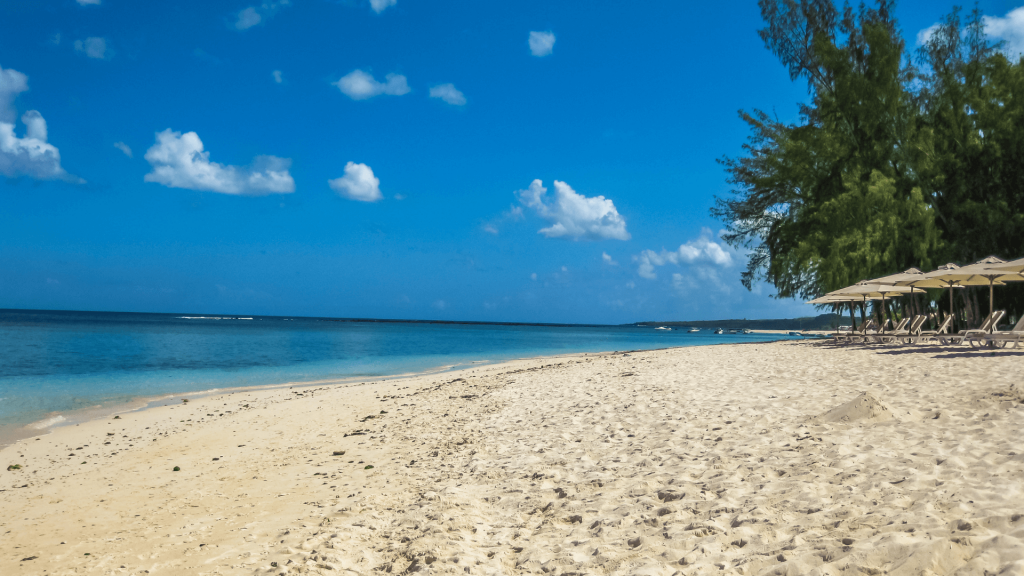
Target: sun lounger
927, 335
986, 325
903, 332
1001, 339
868, 330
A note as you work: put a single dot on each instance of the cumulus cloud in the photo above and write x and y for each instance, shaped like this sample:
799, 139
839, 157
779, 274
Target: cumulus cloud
123, 148
608, 259
278, 76
94, 47
30, 155
1009, 28
379, 6
449, 94
925, 35
179, 161
254, 15
358, 183
541, 43
359, 85
12, 83
703, 250
574, 215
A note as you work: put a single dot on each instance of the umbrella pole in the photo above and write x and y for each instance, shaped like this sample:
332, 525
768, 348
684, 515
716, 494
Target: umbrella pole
853, 319
951, 305
885, 314
992, 326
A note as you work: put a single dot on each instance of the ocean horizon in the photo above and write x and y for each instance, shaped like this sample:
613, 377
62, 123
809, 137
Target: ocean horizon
57, 364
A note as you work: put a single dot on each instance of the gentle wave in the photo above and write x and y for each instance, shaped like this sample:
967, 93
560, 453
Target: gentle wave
210, 318
46, 423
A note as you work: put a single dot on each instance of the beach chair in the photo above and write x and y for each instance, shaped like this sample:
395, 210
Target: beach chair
868, 330
1014, 335
986, 325
903, 331
927, 335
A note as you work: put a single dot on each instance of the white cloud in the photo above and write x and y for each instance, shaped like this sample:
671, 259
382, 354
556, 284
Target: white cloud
179, 161
247, 18
440, 304
541, 43
88, 2
1009, 28
608, 259
449, 94
379, 6
533, 276
358, 183
630, 284
30, 155
254, 15
925, 35
574, 215
94, 47
564, 269
703, 250
124, 148
490, 229
700, 278
12, 83
278, 76
359, 85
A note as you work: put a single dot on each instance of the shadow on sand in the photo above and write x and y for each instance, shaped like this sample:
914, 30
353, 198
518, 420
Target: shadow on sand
937, 351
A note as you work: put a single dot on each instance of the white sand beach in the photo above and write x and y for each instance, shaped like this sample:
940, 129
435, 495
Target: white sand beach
780, 458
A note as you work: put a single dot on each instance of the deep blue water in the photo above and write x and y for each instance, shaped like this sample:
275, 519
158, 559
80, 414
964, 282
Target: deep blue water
63, 361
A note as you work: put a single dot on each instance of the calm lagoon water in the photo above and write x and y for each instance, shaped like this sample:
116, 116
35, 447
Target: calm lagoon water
53, 363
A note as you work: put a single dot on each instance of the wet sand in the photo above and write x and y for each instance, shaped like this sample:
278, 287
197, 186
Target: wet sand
779, 458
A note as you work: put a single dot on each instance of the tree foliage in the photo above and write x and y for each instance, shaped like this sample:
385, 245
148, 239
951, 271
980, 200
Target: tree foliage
888, 167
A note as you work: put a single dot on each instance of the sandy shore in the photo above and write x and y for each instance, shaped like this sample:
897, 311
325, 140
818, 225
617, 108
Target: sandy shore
781, 458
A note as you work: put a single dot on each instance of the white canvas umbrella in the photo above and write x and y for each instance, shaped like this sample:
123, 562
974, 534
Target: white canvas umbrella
1011, 266
981, 273
840, 299
871, 290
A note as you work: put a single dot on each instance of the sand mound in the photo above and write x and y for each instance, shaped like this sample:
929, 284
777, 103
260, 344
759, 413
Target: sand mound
863, 407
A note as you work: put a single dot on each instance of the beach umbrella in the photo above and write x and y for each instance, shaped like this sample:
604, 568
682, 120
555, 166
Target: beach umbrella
867, 290
980, 273
839, 299
908, 274
1011, 266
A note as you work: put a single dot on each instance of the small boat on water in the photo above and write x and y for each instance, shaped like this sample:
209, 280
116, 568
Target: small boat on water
662, 328
794, 333
747, 330
719, 331
692, 330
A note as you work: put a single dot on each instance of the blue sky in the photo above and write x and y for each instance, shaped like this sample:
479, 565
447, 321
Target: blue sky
520, 161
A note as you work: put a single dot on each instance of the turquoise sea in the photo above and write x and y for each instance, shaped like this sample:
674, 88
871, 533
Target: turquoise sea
53, 364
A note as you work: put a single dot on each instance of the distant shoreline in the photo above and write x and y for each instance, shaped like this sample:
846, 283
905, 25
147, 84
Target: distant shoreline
753, 324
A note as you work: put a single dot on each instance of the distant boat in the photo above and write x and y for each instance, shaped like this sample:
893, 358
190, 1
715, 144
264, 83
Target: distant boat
692, 330
795, 334
719, 331
662, 328
747, 330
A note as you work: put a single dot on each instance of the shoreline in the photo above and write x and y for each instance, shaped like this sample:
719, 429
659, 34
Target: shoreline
12, 433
